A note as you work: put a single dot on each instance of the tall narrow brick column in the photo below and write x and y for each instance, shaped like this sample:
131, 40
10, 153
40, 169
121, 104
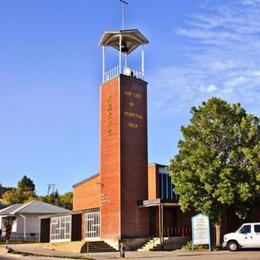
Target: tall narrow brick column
123, 164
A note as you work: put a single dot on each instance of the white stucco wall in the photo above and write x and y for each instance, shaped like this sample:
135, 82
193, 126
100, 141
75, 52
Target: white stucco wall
14, 226
32, 225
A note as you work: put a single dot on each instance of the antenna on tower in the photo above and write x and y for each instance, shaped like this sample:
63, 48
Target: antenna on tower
123, 12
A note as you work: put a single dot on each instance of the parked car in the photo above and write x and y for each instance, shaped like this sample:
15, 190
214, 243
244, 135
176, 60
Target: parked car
247, 236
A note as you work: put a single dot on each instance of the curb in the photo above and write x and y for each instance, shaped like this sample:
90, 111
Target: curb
18, 254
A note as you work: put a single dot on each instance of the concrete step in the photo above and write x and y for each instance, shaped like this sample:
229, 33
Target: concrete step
96, 247
150, 245
172, 243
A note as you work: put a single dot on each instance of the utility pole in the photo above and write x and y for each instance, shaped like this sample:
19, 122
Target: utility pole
50, 187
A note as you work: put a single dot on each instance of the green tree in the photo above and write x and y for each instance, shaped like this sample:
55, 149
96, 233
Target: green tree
1, 190
53, 198
25, 192
4, 189
17, 196
26, 184
217, 168
66, 200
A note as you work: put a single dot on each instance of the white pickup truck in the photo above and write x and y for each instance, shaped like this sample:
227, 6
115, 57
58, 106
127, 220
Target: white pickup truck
247, 236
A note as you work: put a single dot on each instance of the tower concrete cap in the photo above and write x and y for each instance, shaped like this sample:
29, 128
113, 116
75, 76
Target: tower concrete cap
131, 39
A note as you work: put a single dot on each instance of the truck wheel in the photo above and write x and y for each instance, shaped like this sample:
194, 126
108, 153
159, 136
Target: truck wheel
232, 246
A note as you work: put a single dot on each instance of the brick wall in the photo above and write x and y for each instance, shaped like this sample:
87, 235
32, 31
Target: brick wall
153, 182
110, 160
134, 170
87, 194
123, 158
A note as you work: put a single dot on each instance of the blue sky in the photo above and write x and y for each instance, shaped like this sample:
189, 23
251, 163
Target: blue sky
50, 72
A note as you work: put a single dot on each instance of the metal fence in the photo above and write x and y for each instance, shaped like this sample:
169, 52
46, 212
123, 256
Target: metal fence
127, 71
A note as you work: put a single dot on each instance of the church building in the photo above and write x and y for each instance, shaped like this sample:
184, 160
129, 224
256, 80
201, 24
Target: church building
129, 199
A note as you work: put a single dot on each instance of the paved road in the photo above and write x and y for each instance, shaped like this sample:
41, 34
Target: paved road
220, 255
174, 255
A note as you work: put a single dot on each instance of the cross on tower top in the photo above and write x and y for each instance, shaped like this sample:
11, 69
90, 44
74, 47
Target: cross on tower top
125, 41
123, 3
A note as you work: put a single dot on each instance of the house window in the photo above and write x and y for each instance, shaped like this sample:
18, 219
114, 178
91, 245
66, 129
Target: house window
92, 228
60, 228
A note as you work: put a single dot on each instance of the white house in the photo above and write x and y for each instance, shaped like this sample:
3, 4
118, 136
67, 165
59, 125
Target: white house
27, 217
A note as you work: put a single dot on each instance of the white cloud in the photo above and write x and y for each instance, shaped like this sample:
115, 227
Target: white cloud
256, 73
223, 65
250, 2
209, 89
227, 65
237, 81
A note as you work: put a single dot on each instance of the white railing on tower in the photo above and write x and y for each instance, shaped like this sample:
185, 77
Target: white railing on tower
137, 74
127, 71
112, 73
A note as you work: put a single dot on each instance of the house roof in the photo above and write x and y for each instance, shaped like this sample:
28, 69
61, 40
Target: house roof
10, 209
33, 207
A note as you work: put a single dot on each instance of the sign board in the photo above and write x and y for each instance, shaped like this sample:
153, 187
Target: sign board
200, 230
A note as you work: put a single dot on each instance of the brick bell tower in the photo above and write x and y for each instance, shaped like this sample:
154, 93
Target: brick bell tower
123, 140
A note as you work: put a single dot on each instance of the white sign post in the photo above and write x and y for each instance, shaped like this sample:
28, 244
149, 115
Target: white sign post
200, 230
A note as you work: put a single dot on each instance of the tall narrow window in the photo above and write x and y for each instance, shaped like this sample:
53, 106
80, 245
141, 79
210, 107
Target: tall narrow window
92, 229
165, 185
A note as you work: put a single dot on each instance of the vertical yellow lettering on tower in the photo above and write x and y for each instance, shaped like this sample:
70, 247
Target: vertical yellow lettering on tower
109, 114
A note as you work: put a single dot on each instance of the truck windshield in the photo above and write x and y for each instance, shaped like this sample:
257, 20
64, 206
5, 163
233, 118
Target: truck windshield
245, 229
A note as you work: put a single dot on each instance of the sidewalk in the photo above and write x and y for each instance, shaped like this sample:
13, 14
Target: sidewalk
2, 250
161, 255
37, 249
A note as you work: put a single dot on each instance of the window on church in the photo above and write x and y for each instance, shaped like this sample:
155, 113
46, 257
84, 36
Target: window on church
165, 185
92, 227
60, 228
